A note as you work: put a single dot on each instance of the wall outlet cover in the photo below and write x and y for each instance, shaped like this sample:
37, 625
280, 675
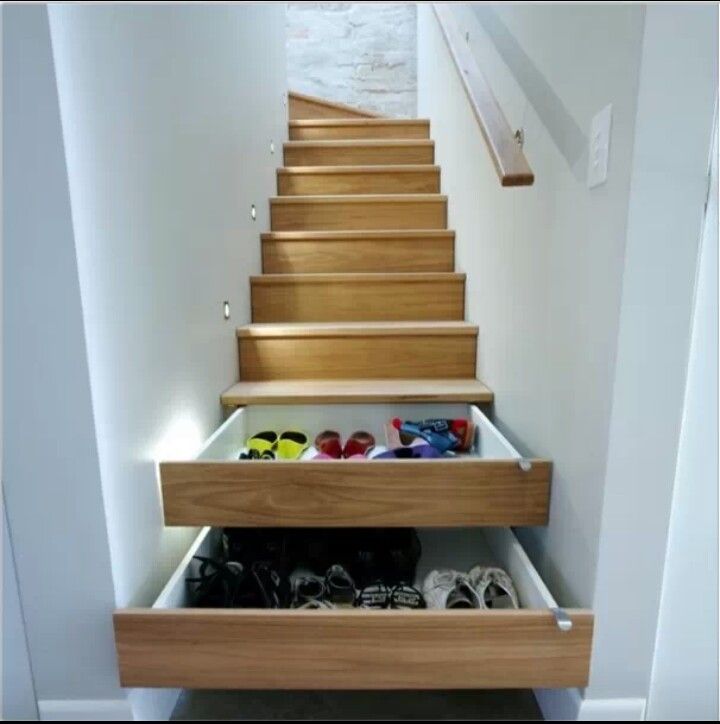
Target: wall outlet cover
599, 150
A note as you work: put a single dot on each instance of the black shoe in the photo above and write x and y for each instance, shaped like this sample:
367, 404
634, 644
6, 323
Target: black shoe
218, 583
273, 589
273, 546
402, 553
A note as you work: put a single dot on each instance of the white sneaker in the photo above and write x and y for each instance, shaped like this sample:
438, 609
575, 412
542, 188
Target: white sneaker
494, 587
450, 589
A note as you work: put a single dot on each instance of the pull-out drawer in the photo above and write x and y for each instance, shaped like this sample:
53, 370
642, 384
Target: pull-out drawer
492, 485
170, 645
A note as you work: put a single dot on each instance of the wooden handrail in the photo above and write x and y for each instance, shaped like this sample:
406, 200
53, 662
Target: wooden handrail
507, 156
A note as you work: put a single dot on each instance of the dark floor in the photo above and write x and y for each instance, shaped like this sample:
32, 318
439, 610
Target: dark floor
353, 705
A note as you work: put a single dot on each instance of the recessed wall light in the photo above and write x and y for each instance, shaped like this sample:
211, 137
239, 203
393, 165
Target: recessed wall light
226, 310
253, 212
272, 146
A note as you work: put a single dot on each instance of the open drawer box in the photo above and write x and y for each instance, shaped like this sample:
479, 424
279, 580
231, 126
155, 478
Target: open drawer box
170, 645
491, 485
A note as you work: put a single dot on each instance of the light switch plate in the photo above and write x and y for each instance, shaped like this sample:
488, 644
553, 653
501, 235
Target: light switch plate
599, 147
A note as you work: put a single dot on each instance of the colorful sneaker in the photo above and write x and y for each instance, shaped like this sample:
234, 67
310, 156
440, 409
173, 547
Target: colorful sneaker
450, 589
494, 587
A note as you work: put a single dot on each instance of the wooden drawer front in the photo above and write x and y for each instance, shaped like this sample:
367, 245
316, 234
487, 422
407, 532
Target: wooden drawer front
352, 649
321, 130
169, 645
487, 487
358, 153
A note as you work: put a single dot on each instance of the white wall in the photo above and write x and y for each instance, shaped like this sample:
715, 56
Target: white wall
684, 684
50, 462
677, 95
362, 54
544, 263
168, 113
136, 139
584, 296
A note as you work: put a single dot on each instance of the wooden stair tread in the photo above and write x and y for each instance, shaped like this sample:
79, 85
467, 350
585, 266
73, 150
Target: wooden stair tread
358, 329
360, 142
345, 169
356, 199
358, 235
341, 277
278, 392
305, 122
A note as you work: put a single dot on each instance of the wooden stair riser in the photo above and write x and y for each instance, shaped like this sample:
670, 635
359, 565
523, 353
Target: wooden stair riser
305, 213
424, 356
404, 251
353, 297
314, 180
358, 153
303, 106
358, 129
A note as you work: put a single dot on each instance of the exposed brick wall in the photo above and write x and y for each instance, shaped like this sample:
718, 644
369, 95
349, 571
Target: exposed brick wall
362, 54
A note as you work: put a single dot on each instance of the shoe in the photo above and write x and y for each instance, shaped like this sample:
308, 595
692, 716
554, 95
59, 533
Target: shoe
316, 605
402, 551
339, 586
450, 589
328, 445
358, 445
275, 546
374, 595
273, 589
306, 588
406, 597
442, 433
412, 451
292, 444
217, 584
494, 587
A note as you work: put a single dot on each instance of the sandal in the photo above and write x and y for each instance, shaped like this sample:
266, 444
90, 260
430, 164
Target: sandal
292, 444
358, 445
414, 452
259, 443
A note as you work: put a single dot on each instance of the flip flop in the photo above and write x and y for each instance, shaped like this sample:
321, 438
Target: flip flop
262, 442
358, 445
328, 445
292, 444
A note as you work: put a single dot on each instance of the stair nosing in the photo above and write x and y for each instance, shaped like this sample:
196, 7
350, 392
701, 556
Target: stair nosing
308, 122
288, 330
320, 277
357, 198
248, 392
356, 235
359, 169
367, 142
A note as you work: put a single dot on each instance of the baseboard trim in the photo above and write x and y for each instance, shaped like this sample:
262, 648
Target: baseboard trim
85, 710
569, 705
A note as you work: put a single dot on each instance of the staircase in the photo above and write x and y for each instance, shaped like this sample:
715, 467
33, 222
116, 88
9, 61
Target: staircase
358, 317
358, 295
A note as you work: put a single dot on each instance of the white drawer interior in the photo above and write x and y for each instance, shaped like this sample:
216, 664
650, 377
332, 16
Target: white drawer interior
229, 440
459, 548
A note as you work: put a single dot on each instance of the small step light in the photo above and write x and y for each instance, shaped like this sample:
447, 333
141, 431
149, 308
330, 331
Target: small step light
272, 146
253, 212
226, 310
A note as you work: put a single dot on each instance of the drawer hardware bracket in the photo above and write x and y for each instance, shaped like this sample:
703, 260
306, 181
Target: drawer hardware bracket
563, 621
525, 465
